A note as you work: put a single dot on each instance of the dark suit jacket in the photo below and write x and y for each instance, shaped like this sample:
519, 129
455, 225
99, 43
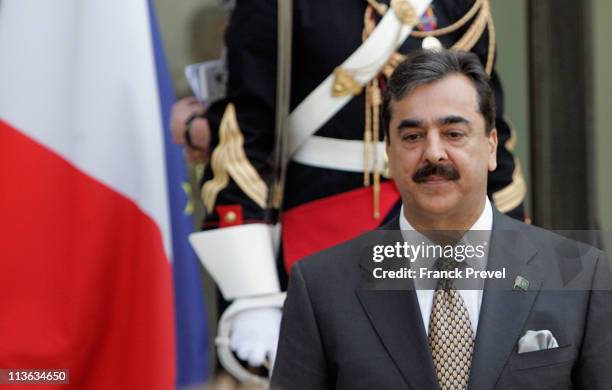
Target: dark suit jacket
336, 334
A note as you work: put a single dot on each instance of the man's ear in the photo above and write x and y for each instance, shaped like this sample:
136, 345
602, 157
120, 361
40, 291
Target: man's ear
492, 139
388, 156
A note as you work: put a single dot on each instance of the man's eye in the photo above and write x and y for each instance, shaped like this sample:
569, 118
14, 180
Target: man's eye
455, 134
411, 137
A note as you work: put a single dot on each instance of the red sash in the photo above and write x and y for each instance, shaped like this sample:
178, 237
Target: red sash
320, 224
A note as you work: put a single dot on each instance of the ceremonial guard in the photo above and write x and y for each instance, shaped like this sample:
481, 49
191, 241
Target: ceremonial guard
332, 183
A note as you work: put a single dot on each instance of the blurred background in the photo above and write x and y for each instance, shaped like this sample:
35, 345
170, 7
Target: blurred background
93, 190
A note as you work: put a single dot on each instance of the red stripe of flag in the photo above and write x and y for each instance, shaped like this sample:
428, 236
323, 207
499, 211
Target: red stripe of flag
85, 282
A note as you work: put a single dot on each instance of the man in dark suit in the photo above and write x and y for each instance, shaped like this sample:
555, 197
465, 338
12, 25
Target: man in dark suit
318, 184
546, 324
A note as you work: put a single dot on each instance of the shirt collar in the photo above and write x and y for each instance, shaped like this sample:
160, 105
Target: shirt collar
484, 221
481, 233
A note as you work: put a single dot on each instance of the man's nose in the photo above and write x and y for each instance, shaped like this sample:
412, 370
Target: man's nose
434, 148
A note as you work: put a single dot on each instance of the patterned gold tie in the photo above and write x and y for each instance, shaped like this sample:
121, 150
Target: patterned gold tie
450, 333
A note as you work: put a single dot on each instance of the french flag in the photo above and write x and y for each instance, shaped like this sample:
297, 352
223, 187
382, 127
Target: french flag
92, 222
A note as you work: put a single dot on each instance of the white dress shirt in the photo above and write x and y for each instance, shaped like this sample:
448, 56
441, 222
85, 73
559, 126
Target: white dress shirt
472, 298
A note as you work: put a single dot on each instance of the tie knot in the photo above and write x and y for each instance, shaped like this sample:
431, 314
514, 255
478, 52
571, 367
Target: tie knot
448, 264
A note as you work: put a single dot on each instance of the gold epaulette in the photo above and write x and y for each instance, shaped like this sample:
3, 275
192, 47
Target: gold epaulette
229, 160
511, 196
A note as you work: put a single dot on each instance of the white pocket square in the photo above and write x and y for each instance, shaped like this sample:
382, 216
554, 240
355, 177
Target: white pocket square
537, 340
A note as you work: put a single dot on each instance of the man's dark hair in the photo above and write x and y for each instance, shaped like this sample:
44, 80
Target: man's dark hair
426, 67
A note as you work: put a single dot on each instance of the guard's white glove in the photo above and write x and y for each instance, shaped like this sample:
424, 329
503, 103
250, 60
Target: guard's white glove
254, 335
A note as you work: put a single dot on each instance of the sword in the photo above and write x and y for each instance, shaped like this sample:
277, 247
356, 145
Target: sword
283, 94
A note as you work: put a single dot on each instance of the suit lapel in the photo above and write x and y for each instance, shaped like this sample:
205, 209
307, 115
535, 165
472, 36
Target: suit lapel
396, 318
504, 310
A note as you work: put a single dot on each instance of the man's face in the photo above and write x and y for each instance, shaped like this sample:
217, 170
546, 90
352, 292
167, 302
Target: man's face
439, 153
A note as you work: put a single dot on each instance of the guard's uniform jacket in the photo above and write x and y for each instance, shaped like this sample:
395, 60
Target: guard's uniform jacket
325, 33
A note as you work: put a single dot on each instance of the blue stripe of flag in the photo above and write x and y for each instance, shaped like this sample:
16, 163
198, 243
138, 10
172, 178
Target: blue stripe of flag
191, 323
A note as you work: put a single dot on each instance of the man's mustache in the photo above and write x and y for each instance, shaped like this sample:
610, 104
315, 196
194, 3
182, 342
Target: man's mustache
446, 171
